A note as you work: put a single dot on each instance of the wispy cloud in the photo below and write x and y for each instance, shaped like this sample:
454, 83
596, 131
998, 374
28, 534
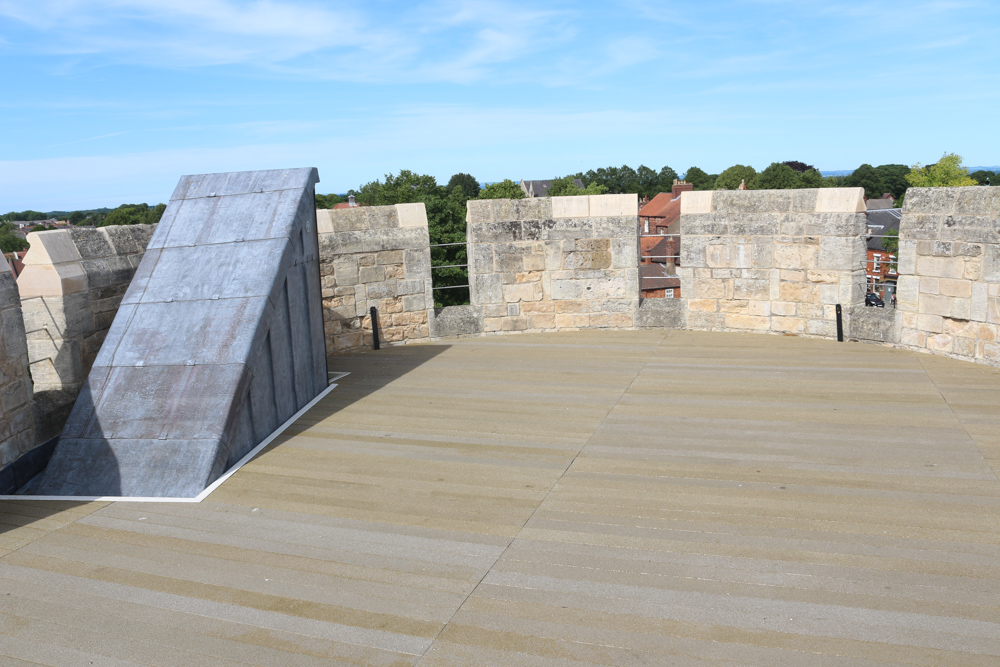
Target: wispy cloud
80, 141
457, 41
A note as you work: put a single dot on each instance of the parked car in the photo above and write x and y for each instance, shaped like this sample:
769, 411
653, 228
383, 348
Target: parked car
873, 299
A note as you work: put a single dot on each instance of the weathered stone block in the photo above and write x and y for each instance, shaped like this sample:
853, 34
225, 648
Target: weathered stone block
979, 300
841, 253
729, 255
929, 200
795, 256
907, 292
703, 224
952, 287
941, 267
931, 304
495, 232
755, 223
969, 228
345, 269
414, 302
874, 324
920, 225
750, 322
693, 251
751, 289
486, 289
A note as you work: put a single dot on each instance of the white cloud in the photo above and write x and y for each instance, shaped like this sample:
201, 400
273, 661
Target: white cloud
456, 41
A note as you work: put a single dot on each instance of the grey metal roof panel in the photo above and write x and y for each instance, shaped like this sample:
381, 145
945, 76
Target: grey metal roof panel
227, 219
231, 286
206, 272
244, 182
219, 332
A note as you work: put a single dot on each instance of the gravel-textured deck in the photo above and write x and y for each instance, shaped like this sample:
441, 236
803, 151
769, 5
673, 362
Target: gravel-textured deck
611, 498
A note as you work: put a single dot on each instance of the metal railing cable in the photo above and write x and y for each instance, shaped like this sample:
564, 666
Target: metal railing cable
451, 266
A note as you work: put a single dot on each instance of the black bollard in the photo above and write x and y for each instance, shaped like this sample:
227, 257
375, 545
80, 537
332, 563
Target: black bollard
840, 324
375, 325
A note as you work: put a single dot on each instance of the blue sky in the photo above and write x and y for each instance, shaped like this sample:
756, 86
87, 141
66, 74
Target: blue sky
110, 101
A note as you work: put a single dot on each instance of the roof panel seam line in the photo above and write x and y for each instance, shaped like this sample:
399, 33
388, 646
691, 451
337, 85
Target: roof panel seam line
975, 443
541, 502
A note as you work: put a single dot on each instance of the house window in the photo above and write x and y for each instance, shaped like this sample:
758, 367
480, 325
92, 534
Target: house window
877, 267
646, 226
892, 264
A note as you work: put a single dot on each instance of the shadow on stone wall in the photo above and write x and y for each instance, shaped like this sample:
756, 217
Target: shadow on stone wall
52, 408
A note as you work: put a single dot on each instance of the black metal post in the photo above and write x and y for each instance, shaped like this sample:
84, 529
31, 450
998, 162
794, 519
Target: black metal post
840, 324
375, 325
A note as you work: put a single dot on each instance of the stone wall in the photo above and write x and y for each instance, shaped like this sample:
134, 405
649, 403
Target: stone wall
374, 256
772, 260
72, 284
17, 428
949, 272
554, 263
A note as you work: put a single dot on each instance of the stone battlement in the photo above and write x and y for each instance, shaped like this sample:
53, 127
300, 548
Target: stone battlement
776, 261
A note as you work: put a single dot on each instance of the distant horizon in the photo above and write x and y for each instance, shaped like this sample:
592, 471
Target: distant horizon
441, 181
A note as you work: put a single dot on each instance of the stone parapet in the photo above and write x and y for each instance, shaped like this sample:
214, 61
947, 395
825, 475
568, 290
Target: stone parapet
949, 266
71, 287
374, 256
17, 427
776, 261
554, 263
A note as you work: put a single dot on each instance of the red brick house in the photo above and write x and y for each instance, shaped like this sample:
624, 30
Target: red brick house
660, 243
880, 267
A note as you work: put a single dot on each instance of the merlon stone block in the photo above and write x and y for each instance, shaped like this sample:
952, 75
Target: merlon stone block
840, 200
55, 246
696, 202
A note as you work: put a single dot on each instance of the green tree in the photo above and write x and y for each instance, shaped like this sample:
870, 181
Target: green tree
566, 187
406, 188
467, 183
24, 216
626, 180
893, 179
699, 179
9, 241
329, 201
946, 172
76, 217
667, 178
810, 178
890, 243
868, 178
133, 214
505, 189
982, 177
731, 178
834, 181
445, 225
799, 167
778, 176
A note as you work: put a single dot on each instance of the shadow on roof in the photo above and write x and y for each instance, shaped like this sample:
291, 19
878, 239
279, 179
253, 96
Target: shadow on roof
369, 371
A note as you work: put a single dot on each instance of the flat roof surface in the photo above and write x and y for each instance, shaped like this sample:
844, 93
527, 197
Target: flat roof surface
609, 498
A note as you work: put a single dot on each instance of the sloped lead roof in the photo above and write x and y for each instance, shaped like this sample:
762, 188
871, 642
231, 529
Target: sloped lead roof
218, 340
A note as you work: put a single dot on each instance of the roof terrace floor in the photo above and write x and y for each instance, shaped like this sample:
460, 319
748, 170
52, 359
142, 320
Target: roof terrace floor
609, 498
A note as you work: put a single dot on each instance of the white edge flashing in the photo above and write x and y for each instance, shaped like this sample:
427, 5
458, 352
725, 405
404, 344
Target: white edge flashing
214, 485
